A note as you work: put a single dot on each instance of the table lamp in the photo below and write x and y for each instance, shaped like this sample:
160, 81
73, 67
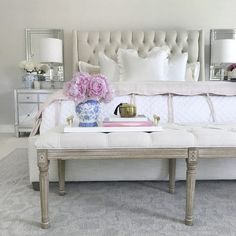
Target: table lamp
51, 53
223, 52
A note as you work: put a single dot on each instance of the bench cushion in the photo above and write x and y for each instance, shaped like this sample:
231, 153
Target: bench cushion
215, 136
172, 136
167, 138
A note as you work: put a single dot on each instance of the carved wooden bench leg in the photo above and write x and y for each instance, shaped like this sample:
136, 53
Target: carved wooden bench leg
172, 168
190, 184
61, 176
43, 165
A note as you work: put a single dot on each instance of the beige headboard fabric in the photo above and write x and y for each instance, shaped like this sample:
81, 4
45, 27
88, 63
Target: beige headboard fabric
87, 44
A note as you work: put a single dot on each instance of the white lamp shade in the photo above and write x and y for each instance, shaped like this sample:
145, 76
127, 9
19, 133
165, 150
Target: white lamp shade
223, 51
51, 50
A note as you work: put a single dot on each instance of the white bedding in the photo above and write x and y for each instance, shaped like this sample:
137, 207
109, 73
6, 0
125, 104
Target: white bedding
199, 102
224, 108
177, 109
191, 109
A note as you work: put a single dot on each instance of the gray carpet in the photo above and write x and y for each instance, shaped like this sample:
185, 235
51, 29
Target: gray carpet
112, 208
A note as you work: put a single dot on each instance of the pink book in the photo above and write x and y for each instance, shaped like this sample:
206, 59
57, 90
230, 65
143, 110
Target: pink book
127, 124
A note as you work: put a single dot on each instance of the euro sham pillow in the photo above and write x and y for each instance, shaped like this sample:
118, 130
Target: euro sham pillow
109, 67
176, 69
135, 68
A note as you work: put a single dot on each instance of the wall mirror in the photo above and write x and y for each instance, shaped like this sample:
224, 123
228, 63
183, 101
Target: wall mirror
46, 46
222, 53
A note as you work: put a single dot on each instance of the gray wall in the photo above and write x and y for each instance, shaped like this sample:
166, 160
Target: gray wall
16, 15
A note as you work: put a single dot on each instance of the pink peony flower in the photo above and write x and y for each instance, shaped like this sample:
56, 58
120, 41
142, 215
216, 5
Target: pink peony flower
97, 88
109, 95
84, 79
84, 87
81, 92
75, 91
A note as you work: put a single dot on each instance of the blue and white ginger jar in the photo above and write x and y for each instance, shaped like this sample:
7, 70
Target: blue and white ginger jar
88, 113
28, 80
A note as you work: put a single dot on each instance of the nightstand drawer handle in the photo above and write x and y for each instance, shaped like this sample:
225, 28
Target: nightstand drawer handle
28, 115
27, 97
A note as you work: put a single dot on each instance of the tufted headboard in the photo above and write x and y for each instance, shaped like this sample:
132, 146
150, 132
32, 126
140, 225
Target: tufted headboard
87, 44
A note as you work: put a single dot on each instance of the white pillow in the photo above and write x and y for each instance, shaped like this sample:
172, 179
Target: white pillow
192, 71
135, 68
109, 67
177, 67
88, 68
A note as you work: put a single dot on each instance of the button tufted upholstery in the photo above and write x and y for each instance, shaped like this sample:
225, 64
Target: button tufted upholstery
87, 45
168, 138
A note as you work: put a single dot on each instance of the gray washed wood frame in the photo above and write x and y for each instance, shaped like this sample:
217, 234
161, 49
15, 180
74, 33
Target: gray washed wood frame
191, 156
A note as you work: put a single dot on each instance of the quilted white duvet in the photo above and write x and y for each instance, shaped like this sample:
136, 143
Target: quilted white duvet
175, 102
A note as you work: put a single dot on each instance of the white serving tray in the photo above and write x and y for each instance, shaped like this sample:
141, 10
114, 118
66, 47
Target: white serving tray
69, 129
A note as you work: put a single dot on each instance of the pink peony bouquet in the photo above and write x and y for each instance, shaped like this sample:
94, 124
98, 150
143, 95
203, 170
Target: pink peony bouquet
84, 87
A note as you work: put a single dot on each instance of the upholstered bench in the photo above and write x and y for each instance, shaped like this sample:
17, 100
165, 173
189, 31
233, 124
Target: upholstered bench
174, 142
55, 144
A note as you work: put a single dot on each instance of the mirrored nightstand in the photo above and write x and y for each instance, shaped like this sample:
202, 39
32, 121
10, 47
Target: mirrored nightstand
27, 105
